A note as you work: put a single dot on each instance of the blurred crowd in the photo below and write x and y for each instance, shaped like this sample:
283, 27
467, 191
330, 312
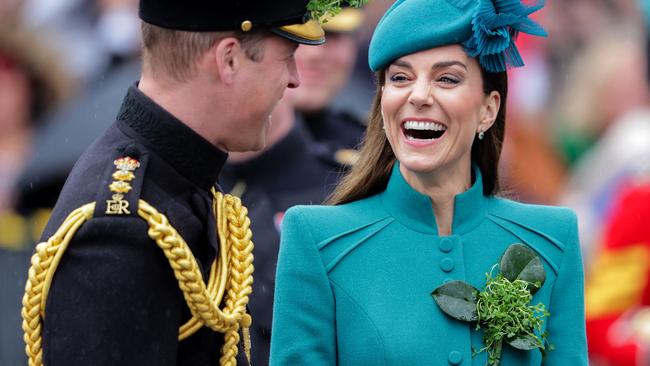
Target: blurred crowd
578, 135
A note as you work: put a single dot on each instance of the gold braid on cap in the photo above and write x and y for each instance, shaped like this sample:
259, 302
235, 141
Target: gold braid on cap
231, 275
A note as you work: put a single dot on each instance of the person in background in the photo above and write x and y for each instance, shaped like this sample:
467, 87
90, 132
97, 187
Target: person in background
292, 169
301, 162
95, 35
32, 84
605, 126
618, 286
130, 269
419, 210
615, 180
324, 71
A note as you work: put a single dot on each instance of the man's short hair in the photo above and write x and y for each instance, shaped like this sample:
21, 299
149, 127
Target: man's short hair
175, 53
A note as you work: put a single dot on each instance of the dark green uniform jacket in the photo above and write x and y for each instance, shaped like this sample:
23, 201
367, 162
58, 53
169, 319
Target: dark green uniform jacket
339, 130
114, 299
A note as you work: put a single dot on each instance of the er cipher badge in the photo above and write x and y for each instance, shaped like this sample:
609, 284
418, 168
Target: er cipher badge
122, 176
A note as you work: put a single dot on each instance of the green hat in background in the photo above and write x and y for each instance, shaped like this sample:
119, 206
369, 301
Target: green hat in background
487, 29
347, 20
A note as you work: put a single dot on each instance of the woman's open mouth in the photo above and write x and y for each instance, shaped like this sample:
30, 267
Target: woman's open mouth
426, 131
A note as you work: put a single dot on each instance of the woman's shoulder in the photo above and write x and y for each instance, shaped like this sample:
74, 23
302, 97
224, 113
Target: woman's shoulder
327, 220
551, 221
516, 208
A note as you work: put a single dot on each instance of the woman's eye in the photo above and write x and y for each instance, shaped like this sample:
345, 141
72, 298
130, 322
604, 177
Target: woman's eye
448, 80
398, 78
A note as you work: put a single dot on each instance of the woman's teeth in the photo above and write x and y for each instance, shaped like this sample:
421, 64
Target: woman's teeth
416, 130
415, 125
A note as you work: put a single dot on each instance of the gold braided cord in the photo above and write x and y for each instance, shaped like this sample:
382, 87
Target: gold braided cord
193, 325
43, 265
216, 282
231, 276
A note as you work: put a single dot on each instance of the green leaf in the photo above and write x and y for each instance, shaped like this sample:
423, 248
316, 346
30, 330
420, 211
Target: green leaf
525, 342
323, 9
457, 299
519, 262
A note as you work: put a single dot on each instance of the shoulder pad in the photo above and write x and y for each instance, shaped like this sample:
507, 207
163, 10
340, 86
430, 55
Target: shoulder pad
122, 183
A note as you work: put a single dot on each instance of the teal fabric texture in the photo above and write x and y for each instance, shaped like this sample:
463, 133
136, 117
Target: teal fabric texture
486, 28
354, 281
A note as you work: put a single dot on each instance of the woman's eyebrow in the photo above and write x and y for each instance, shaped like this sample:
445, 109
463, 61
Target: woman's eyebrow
402, 63
443, 64
437, 65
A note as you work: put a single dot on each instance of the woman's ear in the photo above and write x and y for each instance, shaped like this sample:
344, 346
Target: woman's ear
490, 110
227, 55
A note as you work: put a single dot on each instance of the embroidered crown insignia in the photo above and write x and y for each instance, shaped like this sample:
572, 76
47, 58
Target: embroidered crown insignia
126, 164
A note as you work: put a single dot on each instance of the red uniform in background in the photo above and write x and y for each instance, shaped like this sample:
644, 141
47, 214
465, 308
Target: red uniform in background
618, 285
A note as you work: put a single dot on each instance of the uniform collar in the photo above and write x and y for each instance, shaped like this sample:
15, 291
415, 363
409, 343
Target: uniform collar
413, 209
190, 154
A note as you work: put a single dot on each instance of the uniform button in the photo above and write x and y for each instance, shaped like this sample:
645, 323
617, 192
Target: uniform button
455, 357
445, 245
447, 264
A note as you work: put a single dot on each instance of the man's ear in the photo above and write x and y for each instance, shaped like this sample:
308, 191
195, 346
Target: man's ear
227, 54
490, 110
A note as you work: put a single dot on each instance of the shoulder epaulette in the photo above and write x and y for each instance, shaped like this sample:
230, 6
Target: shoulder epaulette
121, 184
338, 158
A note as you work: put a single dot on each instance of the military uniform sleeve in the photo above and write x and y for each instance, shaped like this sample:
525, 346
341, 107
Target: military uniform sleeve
113, 299
566, 324
303, 319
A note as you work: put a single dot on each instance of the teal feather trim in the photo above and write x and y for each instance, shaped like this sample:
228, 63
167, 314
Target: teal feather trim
495, 26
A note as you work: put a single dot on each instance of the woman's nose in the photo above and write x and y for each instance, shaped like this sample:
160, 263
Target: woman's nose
421, 95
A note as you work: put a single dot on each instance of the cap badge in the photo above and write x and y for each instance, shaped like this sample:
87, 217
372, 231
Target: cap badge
246, 25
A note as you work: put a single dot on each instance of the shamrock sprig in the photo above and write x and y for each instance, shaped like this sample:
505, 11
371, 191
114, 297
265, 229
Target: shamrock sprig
324, 9
502, 309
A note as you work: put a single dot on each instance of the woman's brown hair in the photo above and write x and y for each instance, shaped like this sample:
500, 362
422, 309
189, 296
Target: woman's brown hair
370, 173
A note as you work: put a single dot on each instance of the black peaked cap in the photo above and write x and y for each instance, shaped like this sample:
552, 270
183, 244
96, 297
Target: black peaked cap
224, 15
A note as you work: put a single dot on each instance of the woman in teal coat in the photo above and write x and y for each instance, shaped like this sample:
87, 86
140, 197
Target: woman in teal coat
418, 210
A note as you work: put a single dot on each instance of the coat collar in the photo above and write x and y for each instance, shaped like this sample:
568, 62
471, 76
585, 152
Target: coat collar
413, 209
182, 148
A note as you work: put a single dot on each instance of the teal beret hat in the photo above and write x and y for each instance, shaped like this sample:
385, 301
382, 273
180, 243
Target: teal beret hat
487, 29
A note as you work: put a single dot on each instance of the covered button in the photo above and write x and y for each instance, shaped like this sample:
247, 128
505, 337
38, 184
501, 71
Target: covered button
447, 264
455, 358
445, 245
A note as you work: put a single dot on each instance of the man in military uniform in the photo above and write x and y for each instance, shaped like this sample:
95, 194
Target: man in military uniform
324, 72
120, 278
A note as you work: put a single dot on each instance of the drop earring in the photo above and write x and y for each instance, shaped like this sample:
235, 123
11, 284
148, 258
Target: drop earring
481, 134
